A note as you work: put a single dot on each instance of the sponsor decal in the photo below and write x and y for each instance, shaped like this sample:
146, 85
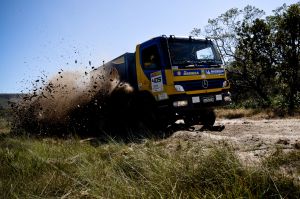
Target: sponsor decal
187, 72
208, 99
162, 96
156, 82
218, 97
196, 99
214, 71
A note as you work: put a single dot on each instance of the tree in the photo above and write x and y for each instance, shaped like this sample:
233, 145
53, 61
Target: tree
287, 42
262, 55
223, 29
254, 64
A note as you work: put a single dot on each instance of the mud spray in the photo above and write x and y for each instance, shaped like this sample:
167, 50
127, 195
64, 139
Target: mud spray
81, 103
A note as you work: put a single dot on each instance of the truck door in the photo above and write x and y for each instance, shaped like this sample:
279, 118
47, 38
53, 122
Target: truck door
152, 77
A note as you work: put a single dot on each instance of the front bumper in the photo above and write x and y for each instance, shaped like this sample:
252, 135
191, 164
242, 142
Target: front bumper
185, 102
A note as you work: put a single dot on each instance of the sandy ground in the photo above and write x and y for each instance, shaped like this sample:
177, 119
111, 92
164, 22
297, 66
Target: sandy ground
251, 139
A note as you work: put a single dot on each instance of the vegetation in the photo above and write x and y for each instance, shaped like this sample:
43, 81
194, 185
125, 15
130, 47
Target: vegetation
262, 54
38, 168
231, 113
5, 121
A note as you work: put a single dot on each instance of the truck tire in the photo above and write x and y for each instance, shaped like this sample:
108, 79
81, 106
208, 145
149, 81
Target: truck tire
147, 112
192, 119
208, 118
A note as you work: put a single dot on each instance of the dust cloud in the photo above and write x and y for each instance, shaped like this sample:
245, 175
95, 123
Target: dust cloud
74, 102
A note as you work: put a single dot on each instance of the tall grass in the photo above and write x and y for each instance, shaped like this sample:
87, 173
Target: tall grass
45, 168
5, 124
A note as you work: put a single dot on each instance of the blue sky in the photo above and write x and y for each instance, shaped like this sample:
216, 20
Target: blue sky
43, 36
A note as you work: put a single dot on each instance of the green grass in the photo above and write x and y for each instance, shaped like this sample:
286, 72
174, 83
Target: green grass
46, 168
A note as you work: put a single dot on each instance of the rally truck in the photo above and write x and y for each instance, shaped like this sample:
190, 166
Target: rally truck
175, 78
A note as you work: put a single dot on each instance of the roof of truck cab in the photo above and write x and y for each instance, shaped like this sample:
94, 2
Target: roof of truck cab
176, 37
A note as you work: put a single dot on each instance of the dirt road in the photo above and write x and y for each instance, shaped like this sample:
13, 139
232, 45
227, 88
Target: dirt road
251, 139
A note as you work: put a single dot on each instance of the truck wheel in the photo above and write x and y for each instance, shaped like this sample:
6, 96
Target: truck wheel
146, 110
208, 118
191, 120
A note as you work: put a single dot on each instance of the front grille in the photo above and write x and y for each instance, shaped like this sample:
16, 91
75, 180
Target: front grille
198, 84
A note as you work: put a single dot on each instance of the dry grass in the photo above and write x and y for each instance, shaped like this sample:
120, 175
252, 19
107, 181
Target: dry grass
253, 113
54, 168
5, 125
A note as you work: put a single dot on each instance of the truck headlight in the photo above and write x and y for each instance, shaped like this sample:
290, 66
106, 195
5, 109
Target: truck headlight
180, 103
225, 83
179, 88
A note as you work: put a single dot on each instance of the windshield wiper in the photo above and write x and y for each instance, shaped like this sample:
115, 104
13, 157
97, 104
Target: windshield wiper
184, 62
210, 62
207, 61
194, 63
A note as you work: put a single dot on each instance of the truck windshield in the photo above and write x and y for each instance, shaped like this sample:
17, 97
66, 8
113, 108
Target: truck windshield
193, 53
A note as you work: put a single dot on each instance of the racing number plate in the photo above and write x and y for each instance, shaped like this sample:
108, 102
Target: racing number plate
208, 99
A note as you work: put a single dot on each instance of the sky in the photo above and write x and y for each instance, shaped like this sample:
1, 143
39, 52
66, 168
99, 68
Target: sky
41, 37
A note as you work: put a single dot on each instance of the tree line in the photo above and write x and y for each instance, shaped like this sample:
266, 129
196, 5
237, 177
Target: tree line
261, 54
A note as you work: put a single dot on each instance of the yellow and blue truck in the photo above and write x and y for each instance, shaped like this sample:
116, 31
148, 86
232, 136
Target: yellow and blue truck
175, 78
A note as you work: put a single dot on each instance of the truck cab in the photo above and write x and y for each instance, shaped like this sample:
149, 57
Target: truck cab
185, 76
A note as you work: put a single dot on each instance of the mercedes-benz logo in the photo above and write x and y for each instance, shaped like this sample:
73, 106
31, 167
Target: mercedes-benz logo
204, 83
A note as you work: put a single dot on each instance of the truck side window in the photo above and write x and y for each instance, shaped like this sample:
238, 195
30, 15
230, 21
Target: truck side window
150, 58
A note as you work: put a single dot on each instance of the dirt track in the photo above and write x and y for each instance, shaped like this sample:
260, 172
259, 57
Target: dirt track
251, 139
